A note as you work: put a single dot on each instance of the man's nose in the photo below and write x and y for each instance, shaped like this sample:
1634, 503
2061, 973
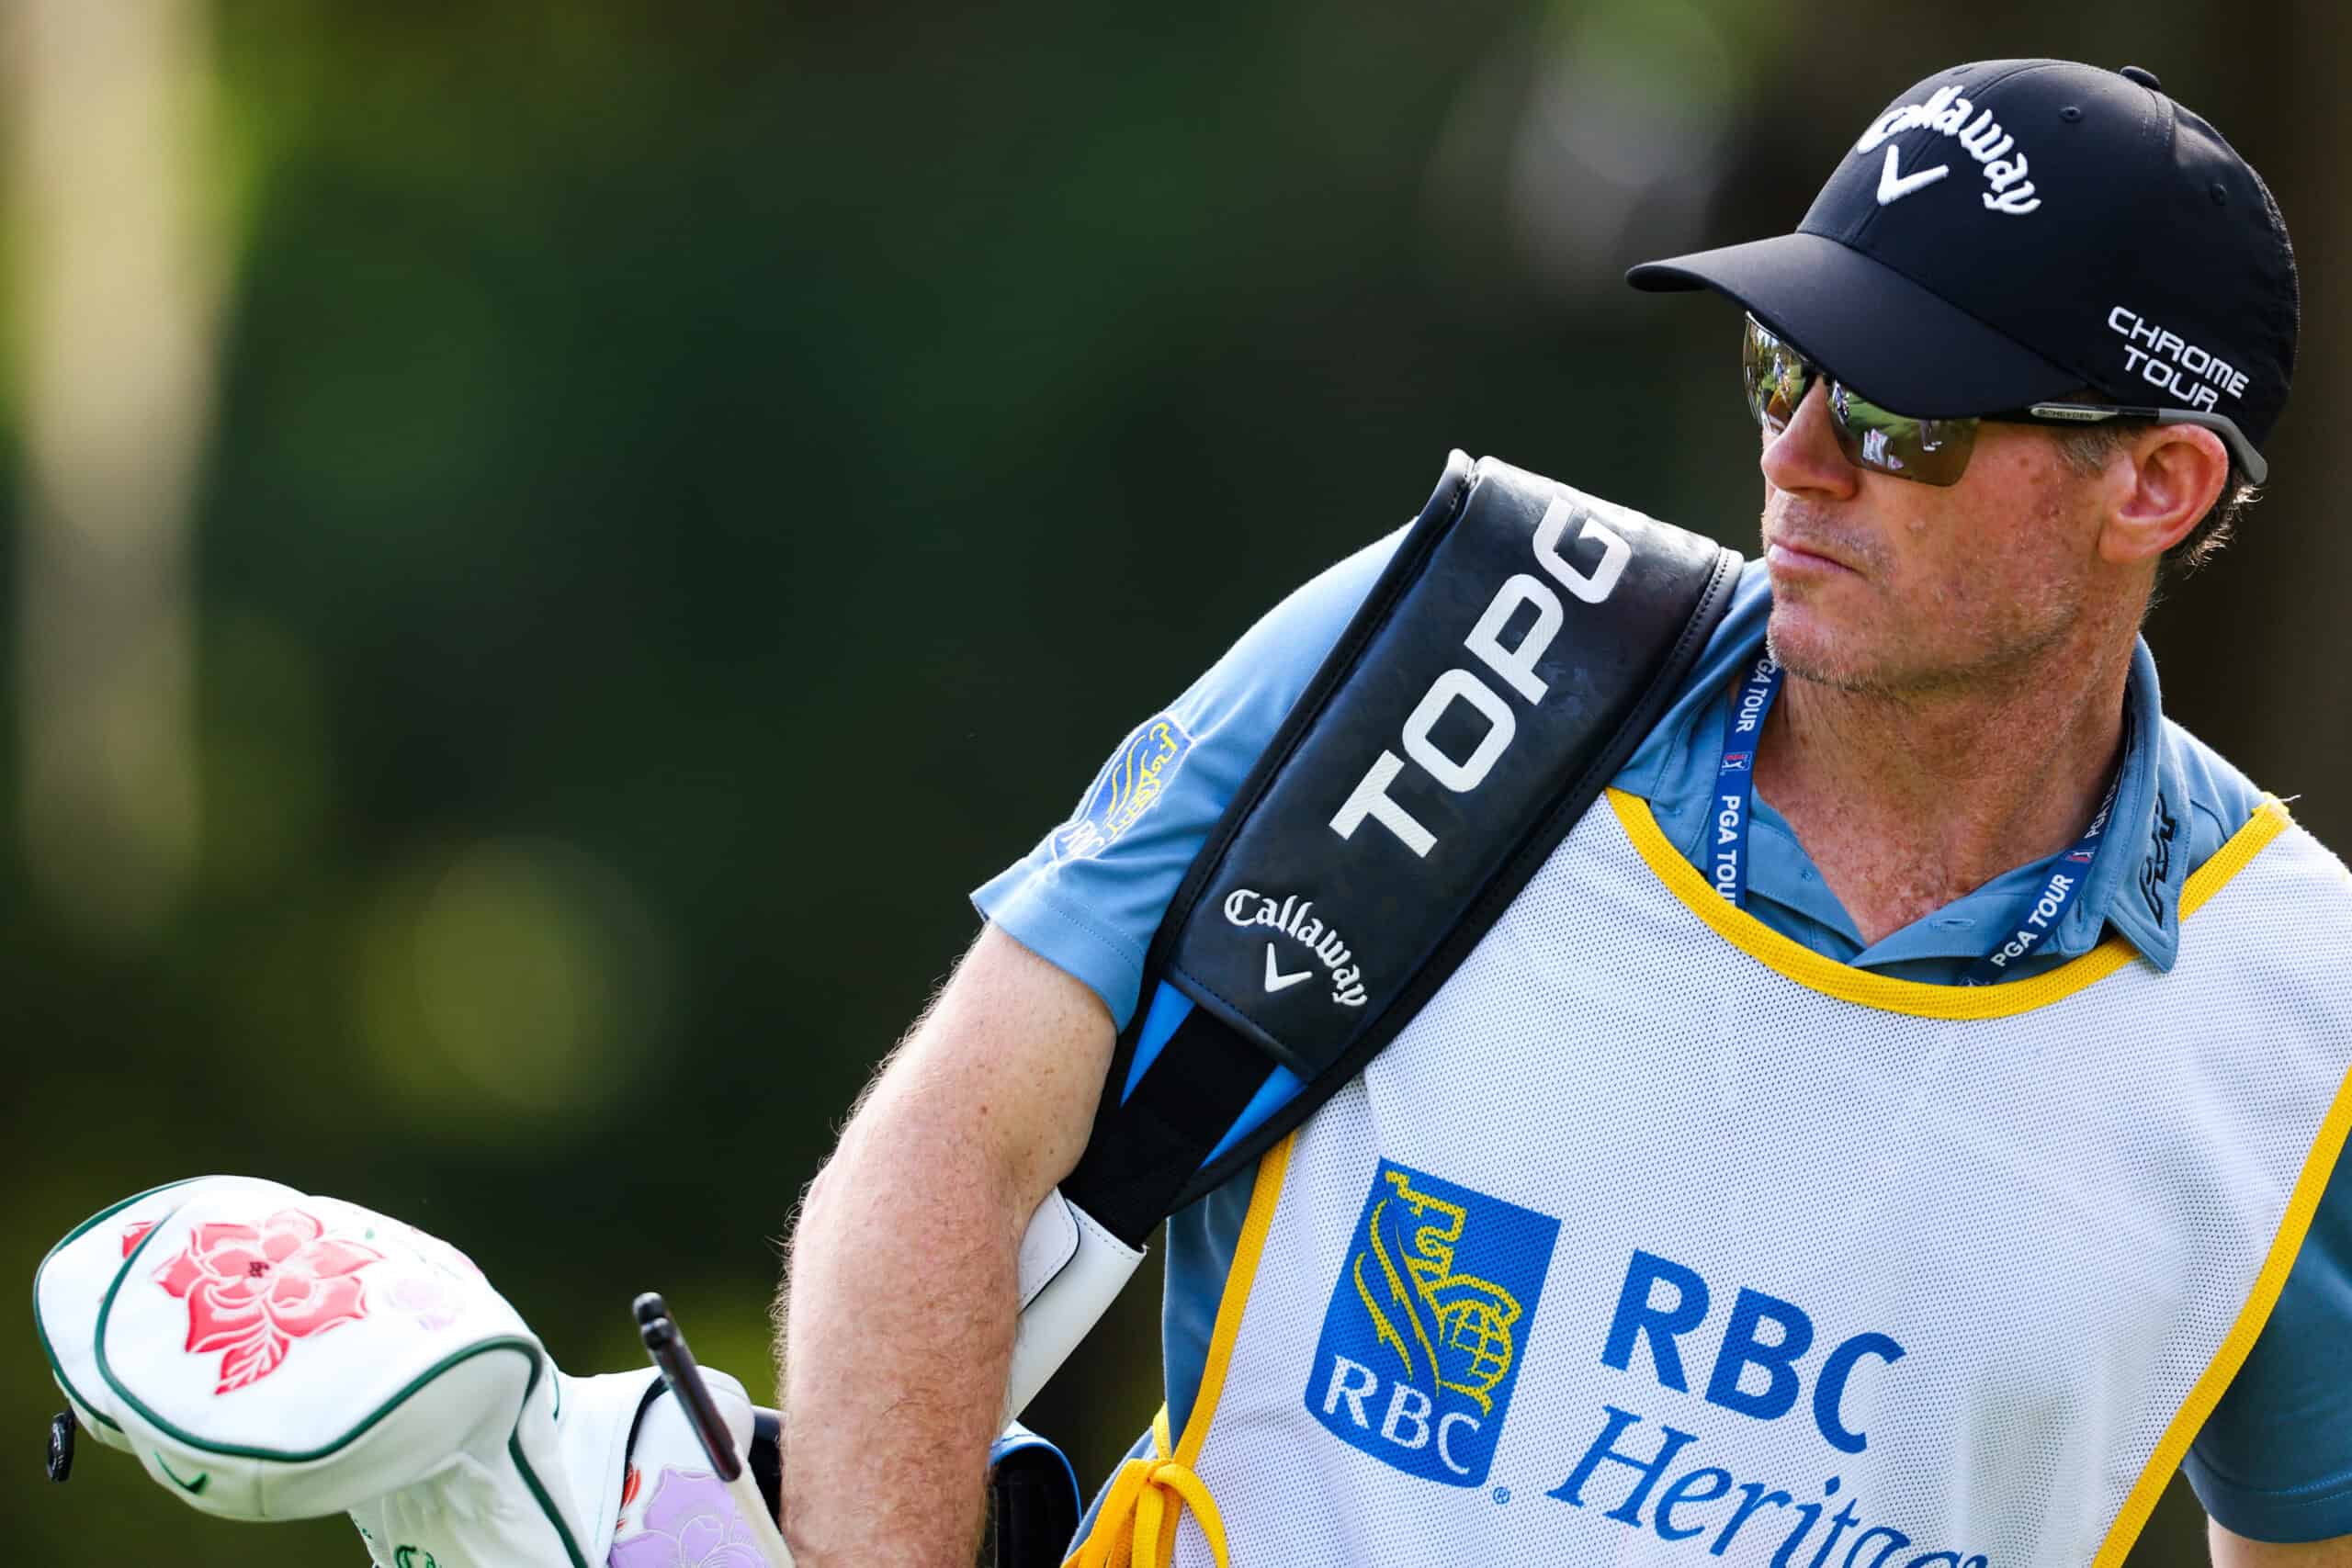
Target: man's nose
1804, 457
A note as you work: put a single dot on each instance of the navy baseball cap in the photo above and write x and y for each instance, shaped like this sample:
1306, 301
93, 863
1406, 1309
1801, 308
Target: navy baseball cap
2008, 231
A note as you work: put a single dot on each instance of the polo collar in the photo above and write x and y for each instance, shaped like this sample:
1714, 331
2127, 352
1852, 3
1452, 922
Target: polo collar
2142, 857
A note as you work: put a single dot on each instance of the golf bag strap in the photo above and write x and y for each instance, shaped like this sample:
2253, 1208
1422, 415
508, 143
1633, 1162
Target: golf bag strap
1522, 642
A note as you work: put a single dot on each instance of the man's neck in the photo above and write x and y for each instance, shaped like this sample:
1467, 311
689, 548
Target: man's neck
1906, 802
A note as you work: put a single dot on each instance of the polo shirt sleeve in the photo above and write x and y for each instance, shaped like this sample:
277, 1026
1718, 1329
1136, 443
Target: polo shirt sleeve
2274, 1461
1087, 897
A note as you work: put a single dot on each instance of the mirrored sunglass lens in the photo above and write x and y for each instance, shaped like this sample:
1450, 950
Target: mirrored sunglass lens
1932, 451
1775, 376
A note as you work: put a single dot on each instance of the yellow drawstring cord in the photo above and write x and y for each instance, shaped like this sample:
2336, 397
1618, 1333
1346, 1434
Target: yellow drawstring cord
1137, 1524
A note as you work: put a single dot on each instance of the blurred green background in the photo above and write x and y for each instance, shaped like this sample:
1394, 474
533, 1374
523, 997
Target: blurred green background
547, 545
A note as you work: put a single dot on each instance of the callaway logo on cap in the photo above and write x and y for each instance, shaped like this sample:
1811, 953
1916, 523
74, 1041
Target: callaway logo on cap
2009, 231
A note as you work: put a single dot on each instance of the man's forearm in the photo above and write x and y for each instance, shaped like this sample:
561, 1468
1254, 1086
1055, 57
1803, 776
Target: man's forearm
905, 1269
900, 1328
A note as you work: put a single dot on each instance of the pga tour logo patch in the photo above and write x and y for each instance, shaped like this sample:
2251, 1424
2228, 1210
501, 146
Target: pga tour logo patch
1428, 1325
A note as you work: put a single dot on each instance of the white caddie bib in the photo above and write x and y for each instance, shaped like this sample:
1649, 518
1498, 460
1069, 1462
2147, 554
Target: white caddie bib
1658, 1239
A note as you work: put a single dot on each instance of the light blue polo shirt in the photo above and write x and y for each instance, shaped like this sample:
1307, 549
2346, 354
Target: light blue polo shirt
2274, 1462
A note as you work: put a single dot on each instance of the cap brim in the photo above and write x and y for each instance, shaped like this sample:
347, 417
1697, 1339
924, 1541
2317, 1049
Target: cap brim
1870, 326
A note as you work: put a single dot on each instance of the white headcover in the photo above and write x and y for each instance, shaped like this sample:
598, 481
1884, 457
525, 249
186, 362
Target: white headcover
272, 1355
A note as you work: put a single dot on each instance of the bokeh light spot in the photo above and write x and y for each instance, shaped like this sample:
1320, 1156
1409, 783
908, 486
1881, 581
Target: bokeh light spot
516, 984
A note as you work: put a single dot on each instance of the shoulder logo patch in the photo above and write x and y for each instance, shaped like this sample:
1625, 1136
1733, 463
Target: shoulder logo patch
1138, 776
1429, 1324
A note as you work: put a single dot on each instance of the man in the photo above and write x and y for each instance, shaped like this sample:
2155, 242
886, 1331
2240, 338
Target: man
1891, 1118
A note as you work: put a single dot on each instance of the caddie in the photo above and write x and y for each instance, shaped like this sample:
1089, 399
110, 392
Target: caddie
1896, 1126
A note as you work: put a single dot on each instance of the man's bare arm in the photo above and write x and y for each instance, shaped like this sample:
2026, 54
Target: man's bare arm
2236, 1552
902, 1287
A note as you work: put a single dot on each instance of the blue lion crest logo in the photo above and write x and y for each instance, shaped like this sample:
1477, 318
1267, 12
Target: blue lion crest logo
1428, 1325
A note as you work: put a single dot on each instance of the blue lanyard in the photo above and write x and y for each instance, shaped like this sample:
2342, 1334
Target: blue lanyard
2042, 912
1736, 798
1735, 777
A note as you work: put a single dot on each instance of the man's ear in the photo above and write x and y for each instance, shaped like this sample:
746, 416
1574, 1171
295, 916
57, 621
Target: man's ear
2169, 478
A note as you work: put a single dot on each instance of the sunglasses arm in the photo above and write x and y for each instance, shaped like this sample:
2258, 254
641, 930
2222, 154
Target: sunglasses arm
2256, 470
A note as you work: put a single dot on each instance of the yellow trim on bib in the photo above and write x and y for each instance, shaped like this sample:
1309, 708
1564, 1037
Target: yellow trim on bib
1796, 962
1138, 1522
2301, 1204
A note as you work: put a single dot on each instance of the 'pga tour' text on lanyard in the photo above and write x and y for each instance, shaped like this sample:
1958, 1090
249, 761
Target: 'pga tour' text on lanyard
1734, 796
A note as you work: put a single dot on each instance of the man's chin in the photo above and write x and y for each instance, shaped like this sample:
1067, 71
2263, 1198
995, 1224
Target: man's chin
1812, 649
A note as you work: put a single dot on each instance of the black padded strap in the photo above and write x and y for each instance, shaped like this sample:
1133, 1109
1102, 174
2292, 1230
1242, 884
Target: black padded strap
1522, 642
1146, 1151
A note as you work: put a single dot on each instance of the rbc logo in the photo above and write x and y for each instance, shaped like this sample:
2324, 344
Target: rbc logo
1131, 783
1428, 1325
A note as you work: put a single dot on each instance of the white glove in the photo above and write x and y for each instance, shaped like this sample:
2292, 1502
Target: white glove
271, 1355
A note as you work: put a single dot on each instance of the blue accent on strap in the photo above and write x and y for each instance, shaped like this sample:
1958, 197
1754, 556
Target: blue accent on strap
1169, 1007
1272, 1096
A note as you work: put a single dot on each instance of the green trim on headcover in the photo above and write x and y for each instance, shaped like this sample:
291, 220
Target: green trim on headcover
531, 1479
40, 1329
193, 1488
529, 1349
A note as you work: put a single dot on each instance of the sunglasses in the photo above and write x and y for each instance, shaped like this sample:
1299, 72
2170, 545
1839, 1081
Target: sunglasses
1929, 451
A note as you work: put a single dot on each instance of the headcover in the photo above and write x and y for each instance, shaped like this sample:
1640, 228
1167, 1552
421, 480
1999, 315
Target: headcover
269, 1354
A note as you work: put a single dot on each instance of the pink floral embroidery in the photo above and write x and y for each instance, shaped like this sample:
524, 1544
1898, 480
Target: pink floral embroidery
428, 1297
252, 1291
132, 1232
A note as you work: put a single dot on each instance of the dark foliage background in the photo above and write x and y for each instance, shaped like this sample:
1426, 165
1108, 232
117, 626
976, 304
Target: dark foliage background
695, 488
